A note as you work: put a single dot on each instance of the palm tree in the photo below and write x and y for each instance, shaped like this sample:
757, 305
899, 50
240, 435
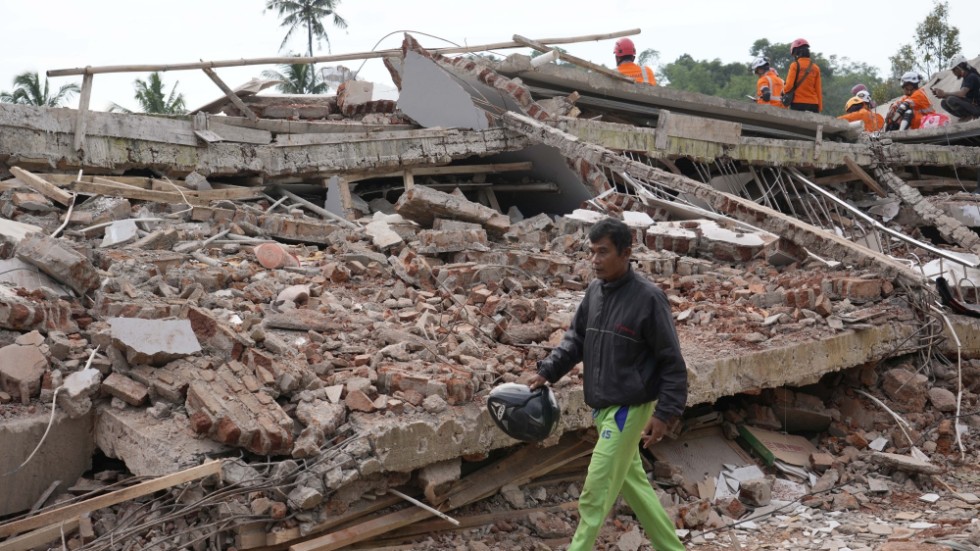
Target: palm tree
28, 91
307, 13
298, 78
153, 98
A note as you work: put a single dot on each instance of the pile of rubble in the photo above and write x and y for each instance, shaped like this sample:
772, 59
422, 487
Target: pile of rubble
259, 300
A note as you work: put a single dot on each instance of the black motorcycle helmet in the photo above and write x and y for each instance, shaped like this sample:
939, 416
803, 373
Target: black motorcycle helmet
522, 413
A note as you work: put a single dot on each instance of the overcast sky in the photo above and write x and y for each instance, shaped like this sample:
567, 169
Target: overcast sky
42, 35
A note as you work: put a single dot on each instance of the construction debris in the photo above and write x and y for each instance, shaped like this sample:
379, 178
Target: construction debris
320, 291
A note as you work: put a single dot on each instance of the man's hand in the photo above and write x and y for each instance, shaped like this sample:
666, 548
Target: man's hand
653, 432
536, 381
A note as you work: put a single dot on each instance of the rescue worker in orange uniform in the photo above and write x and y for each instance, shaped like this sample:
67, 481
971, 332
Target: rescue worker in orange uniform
625, 52
859, 109
907, 112
803, 89
769, 88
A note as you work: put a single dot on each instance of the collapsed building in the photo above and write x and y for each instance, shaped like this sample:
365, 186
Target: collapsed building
319, 291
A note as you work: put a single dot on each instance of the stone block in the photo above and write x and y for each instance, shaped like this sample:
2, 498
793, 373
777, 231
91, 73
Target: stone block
75, 397
942, 399
126, 389
672, 237
53, 257
907, 388
445, 241
153, 342
437, 477
21, 369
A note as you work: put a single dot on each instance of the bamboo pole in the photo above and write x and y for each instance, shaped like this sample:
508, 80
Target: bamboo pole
149, 68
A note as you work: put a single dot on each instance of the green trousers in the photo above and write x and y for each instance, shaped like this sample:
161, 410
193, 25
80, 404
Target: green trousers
616, 468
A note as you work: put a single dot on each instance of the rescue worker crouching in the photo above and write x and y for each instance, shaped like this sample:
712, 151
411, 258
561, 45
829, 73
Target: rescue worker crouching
907, 112
965, 102
625, 52
803, 89
769, 88
858, 108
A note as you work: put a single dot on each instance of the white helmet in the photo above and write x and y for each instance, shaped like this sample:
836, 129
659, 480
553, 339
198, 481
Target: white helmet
956, 60
911, 77
864, 96
759, 62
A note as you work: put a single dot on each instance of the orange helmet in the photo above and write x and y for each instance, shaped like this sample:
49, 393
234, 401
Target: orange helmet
852, 102
624, 46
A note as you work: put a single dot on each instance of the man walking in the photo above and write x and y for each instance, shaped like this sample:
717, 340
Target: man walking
634, 378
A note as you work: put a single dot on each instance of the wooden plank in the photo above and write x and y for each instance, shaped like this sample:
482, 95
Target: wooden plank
572, 59
129, 192
81, 122
42, 186
278, 538
237, 101
872, 184
473, 521
67, 512
663, 119
363, 531
40, 536
409, 178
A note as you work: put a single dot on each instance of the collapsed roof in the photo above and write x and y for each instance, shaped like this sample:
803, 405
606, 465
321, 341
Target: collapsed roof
434, 248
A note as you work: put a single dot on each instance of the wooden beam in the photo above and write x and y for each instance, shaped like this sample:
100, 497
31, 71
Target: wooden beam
363, 531
81, 121
60, 514
572, 59
149, 68
139, 194
41, 536
409, 178
864, 177
237, 101
42, 186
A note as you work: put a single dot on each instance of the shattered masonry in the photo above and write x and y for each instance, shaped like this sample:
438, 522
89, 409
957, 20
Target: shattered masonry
334, 288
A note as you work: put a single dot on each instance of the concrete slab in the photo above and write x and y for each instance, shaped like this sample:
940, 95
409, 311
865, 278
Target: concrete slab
148, 446
65, 455
119, 233
431, 97
154, 342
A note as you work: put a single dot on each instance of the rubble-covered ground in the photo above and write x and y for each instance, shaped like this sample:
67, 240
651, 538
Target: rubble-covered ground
194, 364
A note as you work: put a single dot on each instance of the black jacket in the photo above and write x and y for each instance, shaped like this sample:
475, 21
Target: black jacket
624, 334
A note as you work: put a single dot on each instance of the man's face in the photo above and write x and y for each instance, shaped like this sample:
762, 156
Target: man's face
608, 264
958, 72
908, 88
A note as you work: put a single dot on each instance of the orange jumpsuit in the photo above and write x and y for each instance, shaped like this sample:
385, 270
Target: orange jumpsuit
637, 73
771, 81
873, 122
921, 106
810, 89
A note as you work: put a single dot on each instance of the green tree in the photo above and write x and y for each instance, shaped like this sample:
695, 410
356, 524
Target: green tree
298, 78
152, 97
935, 42
727, 80
648, 57
29, 91
297, 14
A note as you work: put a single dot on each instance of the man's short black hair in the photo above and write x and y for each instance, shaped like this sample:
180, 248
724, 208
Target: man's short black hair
618, 232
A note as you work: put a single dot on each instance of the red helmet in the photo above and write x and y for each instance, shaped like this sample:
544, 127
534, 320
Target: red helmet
624, 46
797, 43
